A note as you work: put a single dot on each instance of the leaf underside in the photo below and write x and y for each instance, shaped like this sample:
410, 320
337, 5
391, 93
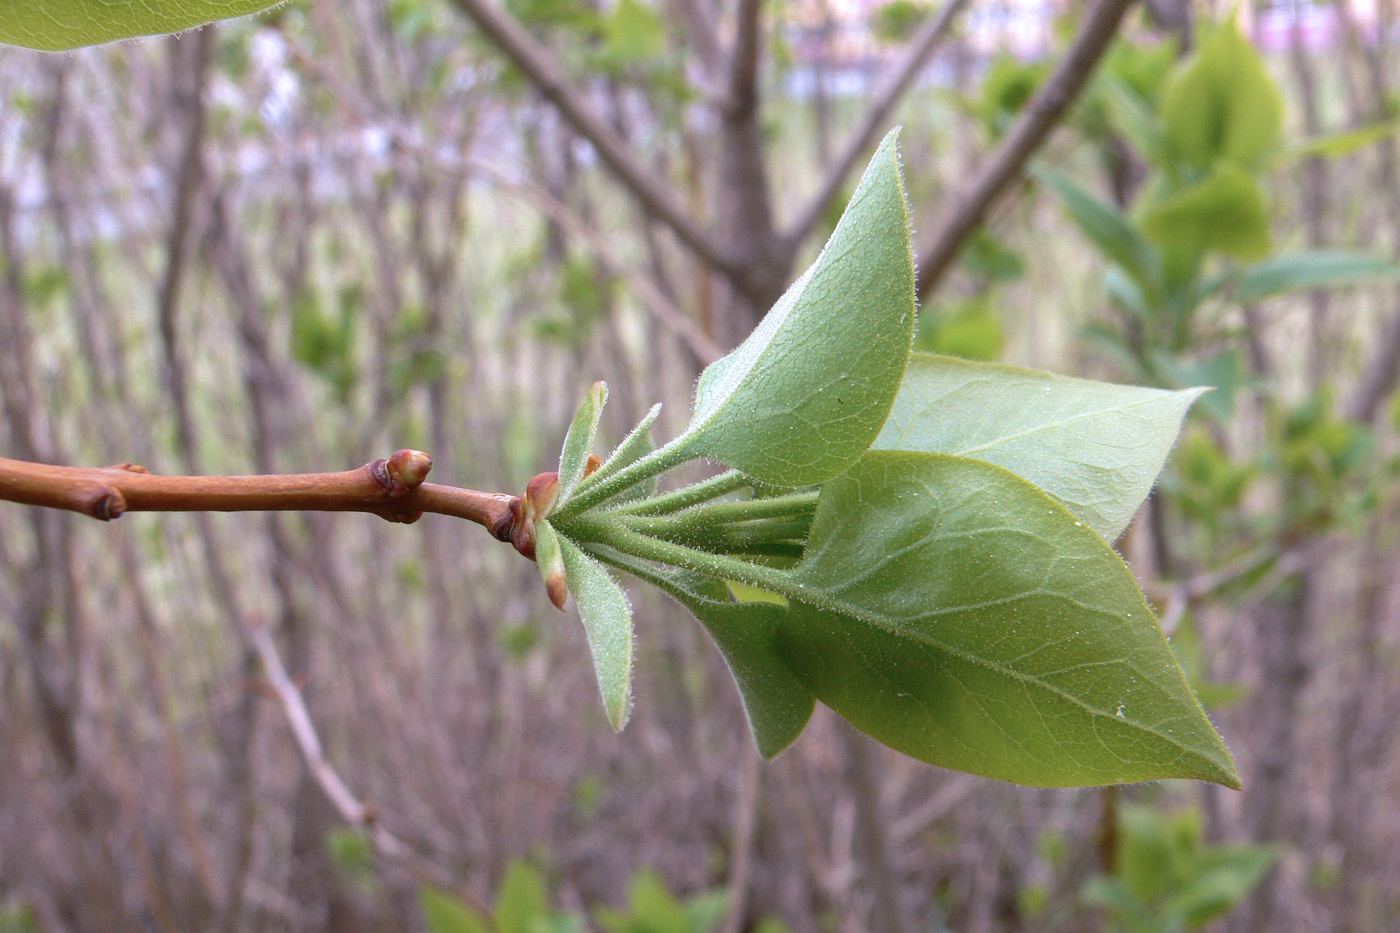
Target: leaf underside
1095, 447
970, 621
607, 621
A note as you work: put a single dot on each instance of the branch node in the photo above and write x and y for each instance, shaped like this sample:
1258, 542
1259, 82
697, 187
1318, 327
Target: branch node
130, 468
102, 503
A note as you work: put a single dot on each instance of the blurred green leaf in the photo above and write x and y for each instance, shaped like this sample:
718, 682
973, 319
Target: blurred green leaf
1222, 104
607, 620
1225, 212
1006, 88
652, 909
1349, 142
1130, 115
971, 332
1304, 271
522, 901
896, 21
1166, 879
633, 33
445, 913
801, 398
1109, 230
1093, 446
971, 622
59, 25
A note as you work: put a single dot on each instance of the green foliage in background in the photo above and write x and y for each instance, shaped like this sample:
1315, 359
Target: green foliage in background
523, 906
59, 25
1197, 235
1167, 880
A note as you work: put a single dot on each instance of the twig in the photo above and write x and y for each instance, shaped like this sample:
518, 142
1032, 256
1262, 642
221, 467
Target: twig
392, 489
690, 333
896, 82
357, 813
743, 58
540, 67
1041, 115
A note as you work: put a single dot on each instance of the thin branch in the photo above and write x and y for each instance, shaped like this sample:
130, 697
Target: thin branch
704, 349
1041, 115
359, 814
898, 79
540, 67
743, 58
700, 27
393, 489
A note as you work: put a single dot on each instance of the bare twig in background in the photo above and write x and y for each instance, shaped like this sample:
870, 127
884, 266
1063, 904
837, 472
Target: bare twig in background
355, 812
543, 71
656, 302
1042, 114
891, 89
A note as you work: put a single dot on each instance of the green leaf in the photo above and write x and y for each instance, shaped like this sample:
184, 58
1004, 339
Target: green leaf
1350, 142
778, 707
1304, 271
972, 331
522, 900
578, 443
634, 447
1223, 104
800, 400
971, 622
1132, 117
1226, 211
1095, 447
1108, 229
59, 25
633, 33
607, 620
445, 913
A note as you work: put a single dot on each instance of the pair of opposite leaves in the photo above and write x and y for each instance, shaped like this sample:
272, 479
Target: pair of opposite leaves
957, 599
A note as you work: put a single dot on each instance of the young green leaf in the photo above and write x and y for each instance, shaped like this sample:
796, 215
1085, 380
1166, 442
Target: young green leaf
60, 25
973, 623
607, 620
801, 399
578, 443
1303, 271
1094, 446
634, 447
777, 705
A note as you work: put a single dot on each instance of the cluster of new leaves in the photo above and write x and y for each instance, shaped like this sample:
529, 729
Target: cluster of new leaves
1210, 128
919, 543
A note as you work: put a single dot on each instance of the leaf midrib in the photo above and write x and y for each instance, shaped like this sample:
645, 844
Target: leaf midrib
870, 618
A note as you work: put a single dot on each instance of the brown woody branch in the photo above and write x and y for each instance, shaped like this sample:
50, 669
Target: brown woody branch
1041, 115
393, 489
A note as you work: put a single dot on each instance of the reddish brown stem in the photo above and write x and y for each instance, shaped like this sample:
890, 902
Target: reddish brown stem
393, 489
